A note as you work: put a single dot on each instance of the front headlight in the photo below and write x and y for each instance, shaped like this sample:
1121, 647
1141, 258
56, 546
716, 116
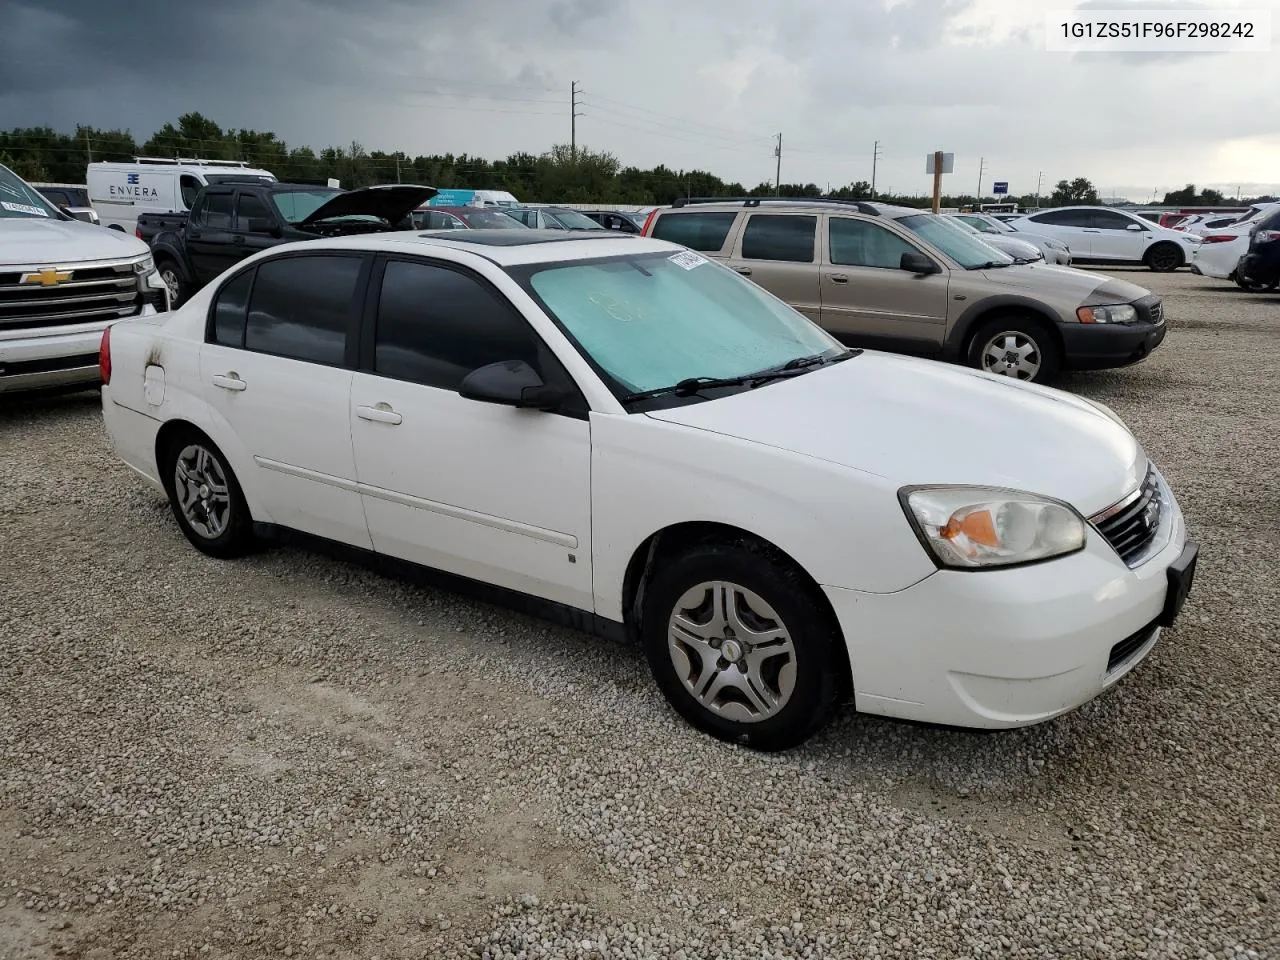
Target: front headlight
1108, 313
144, 266
971, 528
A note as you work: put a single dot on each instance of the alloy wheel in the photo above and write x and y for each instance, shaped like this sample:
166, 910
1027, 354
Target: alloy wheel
1011, 353
204, 497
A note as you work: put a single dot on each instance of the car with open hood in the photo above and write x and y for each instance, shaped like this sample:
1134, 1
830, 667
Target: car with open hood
234, 218
630, 437
902, 279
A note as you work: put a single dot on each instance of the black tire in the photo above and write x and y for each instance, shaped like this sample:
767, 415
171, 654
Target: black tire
233, 537
818, 666
1047, 352
1164, 258
172, 277
1253, 286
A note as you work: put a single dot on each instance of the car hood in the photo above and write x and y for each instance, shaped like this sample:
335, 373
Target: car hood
391, 202
1054, 282
923, 422
1011, 246
44, 241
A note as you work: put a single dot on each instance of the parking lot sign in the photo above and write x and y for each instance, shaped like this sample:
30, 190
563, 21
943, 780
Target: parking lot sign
1000, 188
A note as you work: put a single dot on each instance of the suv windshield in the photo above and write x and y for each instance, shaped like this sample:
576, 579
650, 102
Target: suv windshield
955, 241
652, 320
574, 221
493, 220
296, 205
18, 201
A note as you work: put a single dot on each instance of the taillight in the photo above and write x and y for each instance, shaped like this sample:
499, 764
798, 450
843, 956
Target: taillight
648, 223
137, 232
1217, 238
1266, 236
104, 357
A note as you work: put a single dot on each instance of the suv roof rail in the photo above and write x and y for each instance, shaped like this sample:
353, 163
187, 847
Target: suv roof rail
860, 205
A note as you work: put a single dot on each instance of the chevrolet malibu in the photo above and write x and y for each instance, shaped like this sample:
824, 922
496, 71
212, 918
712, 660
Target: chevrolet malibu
625, 434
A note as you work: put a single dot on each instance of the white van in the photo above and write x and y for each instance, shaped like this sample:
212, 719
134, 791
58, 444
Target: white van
121, 191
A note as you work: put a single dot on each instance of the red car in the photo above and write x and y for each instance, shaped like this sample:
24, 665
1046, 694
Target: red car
464, 218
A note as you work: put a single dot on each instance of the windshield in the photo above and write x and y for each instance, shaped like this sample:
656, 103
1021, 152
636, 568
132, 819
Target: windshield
955, 241
652, 320
575, 221
493, 220
296, 205
18, 201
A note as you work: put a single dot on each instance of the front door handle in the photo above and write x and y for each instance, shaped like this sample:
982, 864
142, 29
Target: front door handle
238, 238
745, 271
229, 381
1089, 230
379, 413
839, 278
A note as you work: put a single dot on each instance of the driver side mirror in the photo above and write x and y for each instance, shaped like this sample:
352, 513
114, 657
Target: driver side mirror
263, 225
918, 263
513, 383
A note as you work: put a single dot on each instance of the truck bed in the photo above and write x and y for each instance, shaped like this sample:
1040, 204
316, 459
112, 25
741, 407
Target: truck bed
151, 224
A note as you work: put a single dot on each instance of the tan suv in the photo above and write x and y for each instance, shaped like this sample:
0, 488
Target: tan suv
906, 280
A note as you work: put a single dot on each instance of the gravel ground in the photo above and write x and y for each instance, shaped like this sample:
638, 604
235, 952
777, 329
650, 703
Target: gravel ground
293, 756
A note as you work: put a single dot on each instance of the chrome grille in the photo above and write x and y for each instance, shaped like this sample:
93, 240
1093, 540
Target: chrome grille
93, 293
1130, 525
1157, 312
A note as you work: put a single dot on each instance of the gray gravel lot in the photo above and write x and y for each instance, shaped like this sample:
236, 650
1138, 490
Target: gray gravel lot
294, 756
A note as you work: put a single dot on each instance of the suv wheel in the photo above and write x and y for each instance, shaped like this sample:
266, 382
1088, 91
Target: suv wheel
1164, 258
1016, 348
741, 646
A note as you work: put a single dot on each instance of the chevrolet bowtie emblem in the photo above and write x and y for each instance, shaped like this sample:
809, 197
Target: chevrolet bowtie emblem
47, 277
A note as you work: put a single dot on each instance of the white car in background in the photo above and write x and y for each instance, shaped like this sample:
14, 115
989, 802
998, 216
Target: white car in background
640, 440
1055, 252
1105, 236
1018, 250
1220, 252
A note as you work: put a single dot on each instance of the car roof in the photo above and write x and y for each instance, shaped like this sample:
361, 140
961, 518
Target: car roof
796, 204
503, 247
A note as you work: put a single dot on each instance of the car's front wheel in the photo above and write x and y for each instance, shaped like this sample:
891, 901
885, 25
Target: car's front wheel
1017, 348
1164, 258
205, 496
172, 278
1253, 286
742, 645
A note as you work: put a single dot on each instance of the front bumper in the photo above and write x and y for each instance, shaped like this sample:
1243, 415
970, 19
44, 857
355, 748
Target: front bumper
1008, 648
1097, 346
39, 358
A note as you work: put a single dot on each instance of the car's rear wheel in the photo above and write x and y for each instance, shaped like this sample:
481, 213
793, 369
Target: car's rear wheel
1017, 348
205, 496
1254, 286
172, 278
742, 645
1164, 258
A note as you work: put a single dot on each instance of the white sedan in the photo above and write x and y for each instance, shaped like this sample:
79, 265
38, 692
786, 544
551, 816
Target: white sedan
625, 434
1055, 252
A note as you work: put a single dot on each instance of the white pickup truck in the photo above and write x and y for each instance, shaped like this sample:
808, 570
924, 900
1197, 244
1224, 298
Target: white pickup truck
62, 282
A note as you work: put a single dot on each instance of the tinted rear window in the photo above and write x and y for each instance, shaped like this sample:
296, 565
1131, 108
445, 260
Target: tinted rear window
698, 231
770, 236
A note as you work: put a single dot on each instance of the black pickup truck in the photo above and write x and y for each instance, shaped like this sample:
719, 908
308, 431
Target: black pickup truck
233, 219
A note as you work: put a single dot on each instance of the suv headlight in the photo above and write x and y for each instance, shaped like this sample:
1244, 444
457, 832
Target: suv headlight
145, 265
972, 528
1108, 313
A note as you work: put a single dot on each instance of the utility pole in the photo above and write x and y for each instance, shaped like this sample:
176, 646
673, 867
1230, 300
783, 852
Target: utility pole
397, 168
982, 166
1039, 180
573, 120
88, 147
875, 157
777, 183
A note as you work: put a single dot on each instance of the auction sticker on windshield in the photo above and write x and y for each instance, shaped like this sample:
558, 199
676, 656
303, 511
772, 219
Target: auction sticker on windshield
687, 259
23, 208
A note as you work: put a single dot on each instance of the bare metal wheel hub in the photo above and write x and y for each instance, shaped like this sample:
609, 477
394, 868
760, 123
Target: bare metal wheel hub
732, 651
1012, 354
200, 486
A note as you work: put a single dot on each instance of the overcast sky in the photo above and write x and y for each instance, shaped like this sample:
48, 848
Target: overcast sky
691, 83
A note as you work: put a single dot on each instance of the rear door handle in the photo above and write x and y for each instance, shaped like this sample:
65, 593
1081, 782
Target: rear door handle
839, 278
379, 413
745, 271
1089, 230
193, 234
229, 381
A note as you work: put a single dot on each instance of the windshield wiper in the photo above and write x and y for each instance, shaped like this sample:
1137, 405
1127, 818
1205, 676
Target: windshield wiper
989, 265
692, 385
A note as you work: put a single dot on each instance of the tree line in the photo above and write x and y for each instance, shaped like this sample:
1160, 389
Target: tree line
561, 175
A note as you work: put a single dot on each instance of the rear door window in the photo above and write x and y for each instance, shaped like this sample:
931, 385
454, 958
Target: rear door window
1064, 218
705, 231
303, 307
779, 237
